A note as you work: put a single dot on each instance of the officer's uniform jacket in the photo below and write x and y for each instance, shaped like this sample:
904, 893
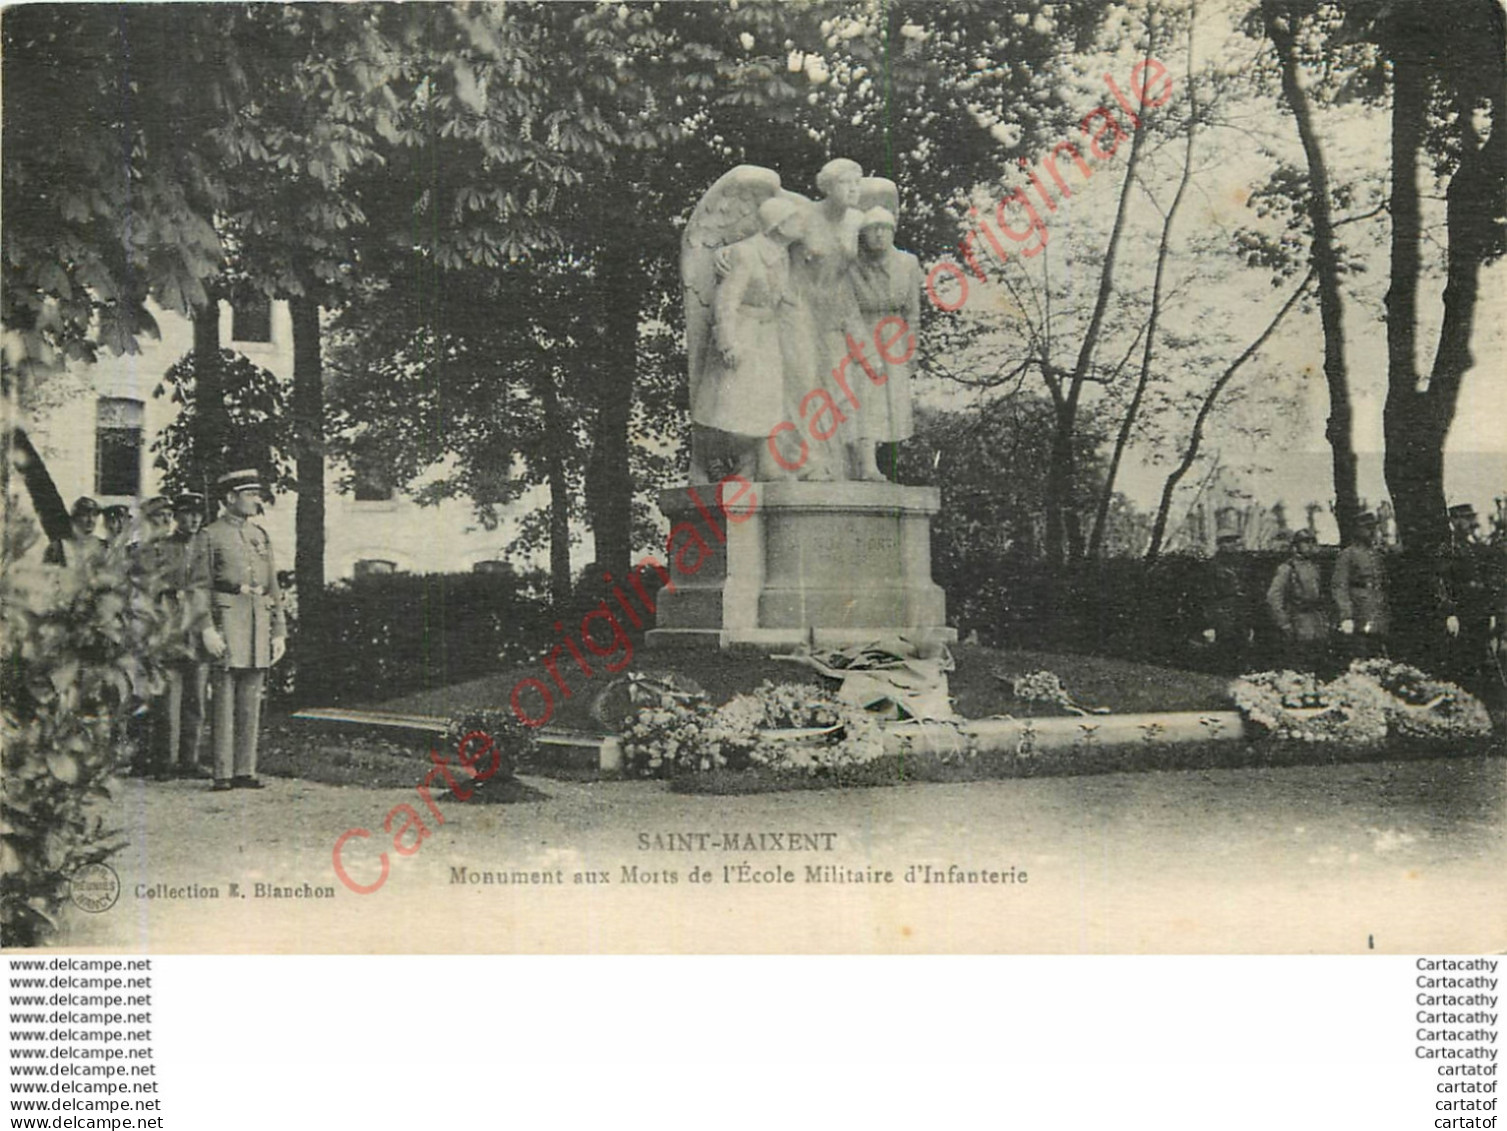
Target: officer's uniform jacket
1297, 600
1227, 595
234, 566
1359, 586
1460, 581
172, 561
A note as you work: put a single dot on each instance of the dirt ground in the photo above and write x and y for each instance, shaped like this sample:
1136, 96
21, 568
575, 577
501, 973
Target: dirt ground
1395, 856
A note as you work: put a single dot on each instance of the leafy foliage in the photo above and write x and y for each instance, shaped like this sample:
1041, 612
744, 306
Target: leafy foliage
256, 403
83, 650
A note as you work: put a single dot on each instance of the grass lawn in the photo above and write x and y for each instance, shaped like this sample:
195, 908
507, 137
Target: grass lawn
1122, 686
361, 759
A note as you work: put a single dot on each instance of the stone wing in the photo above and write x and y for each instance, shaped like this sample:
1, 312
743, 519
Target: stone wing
727, 213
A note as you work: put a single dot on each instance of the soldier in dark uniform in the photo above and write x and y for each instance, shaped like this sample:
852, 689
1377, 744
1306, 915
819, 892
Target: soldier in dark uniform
1463, 599
235, 567
1300, 607
1359, 586
178, 714
117, 520
1228, 613
82, 541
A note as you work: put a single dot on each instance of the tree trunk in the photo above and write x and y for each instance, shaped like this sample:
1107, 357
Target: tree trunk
1325, 257
1417, 421
1205, 410
609, 486
1416, 485
555, 446
308, 445
211, 423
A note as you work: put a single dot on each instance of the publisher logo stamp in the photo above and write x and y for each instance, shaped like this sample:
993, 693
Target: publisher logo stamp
94, 888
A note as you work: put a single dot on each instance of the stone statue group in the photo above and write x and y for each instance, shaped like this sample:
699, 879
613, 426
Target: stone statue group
785, 300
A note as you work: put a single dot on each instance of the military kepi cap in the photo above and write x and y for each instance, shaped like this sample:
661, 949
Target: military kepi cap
1366, 518
188, 501
1462, 510
157, 504
117, 510
244, 480
1304, 535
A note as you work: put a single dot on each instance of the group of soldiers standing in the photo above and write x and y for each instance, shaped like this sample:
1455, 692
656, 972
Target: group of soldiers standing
218, 585
1320, 625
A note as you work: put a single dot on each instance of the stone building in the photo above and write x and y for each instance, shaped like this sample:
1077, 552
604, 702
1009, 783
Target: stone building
95, 426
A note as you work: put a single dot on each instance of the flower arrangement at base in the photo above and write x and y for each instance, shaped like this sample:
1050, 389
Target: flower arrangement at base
1046, 687
1421, 705
782, 727
1299, 707
1371, 700
515, 743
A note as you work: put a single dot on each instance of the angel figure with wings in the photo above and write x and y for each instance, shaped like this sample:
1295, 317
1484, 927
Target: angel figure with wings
744, 328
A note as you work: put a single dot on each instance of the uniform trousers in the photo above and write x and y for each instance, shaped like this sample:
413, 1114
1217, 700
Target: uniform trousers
237, 720
178, 717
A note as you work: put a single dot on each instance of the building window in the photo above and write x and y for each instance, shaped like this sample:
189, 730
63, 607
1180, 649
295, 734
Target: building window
117, 446
370, 484
251, 318
374, 567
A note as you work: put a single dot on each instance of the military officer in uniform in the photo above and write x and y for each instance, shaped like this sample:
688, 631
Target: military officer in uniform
1300, 606
117, 522
1359, 587
82, 542
234, 566
1464, 600
178, 714
1228, 613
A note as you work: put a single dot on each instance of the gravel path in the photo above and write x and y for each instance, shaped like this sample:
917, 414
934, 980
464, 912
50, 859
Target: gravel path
1402, 857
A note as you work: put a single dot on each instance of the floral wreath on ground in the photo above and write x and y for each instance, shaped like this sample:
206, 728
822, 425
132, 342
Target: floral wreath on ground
515, 743
786, 727
1366, 703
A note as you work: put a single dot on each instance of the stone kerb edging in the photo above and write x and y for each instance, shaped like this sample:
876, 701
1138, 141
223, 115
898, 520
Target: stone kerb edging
986, 735
1058, 733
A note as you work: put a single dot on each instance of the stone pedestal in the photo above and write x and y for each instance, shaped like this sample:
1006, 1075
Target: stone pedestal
823, 563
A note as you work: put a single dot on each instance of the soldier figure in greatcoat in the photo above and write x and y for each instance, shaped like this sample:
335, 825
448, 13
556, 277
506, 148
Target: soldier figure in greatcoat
1465, 599
248, 634
168, 547
1359, 586
1300, 606
1228, 614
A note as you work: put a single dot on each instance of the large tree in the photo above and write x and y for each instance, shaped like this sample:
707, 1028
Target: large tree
1449, 102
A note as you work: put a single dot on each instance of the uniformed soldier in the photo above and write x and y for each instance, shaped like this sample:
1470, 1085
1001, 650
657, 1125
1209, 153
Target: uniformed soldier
1228, 614
1464, 600
82, 541
234, 565
1300, 606
117, 521
1359, 586
168, 547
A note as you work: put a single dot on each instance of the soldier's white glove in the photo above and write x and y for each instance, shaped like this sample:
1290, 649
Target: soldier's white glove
1210, 635
279, 647
214, 643
1347, 626
1452, 625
